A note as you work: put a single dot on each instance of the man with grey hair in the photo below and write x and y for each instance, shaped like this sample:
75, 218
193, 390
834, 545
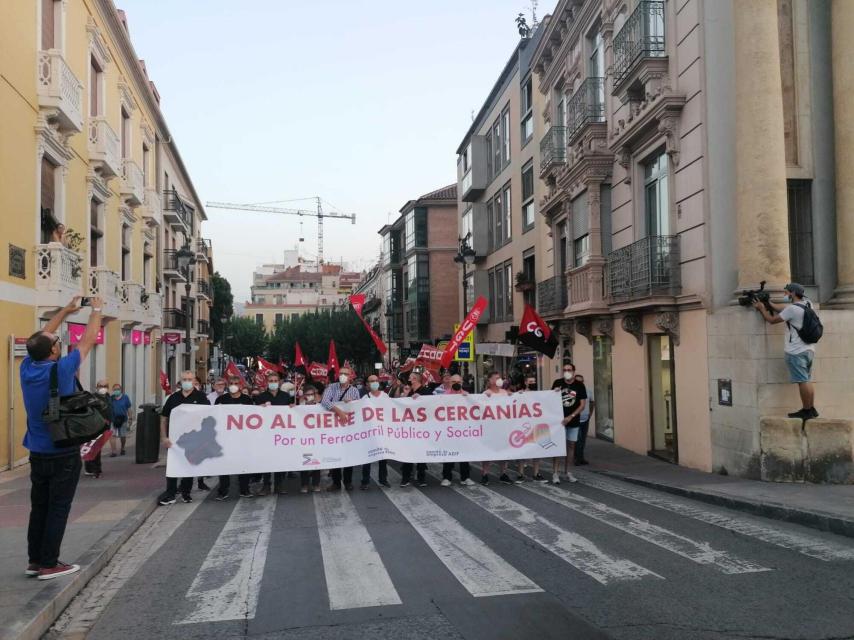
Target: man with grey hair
334, 397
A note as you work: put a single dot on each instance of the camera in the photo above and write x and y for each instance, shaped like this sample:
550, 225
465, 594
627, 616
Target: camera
749, 296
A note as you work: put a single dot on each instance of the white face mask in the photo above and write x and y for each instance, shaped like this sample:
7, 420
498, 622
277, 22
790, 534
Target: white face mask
103, 390
233, 388
187, 385
343, 378
375, 386
499, 383
309, 399
568, 375
273, 386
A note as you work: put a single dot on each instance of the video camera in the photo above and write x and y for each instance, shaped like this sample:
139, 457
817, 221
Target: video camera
749, 296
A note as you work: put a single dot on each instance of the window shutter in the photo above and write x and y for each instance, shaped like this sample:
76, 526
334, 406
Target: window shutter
580, 219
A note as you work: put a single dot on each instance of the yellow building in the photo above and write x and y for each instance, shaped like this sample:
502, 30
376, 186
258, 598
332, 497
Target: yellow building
84, 145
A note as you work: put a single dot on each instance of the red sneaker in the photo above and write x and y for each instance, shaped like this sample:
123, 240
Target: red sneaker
32, 569
61, 569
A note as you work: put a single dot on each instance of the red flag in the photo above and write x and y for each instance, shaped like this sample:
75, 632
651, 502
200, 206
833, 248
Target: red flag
232, 370
318, 372
299, 360
536, 334
358, 301
332, 361
89, 451
466, 328
266, 366
260, 379
164, 382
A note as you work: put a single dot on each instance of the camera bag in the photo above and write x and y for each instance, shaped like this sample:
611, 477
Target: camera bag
76, 418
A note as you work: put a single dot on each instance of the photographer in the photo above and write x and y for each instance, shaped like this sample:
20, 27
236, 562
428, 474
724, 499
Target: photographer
798, 354
53, 472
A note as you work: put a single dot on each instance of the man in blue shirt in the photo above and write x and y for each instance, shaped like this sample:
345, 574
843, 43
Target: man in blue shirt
122, 406
53, 472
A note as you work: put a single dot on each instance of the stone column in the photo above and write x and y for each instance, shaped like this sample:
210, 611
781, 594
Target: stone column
842, 41
761, 207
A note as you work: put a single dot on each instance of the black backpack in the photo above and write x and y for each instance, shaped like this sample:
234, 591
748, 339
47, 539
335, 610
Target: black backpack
811, 330
75, 419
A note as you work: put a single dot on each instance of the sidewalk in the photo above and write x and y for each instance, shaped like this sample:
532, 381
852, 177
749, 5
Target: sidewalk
105, 513
825, 507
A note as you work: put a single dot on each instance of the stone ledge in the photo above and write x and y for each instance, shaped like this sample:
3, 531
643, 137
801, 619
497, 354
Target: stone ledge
819, 450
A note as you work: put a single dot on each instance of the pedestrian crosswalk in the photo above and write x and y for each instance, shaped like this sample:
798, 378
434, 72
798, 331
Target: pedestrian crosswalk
359, 574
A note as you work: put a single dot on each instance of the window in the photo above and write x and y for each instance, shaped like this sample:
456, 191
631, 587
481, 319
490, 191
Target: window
96, 75
50, 18
528, 209
527, 129
496, 147
508, 287
500, 292
498, 213
387, 248
493, 309
580, 230
48, 199
500, 279
466, 223
490, 223
560, 249
259, 319
656, 198
489, 167
409, 230
96, 232
279, 319
147, 257
530, 273
508, 218
145, 157
294, 316
560, 109
126, 242
505, 135
125, 133
800, 231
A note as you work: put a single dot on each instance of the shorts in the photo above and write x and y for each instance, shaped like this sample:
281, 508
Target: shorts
120, 430
800, 366
571, 434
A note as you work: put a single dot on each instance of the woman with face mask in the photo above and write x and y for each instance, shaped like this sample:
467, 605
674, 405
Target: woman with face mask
309, 397
122, 413
494, 387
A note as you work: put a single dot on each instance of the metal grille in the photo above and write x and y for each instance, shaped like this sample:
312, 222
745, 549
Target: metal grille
174, 319
585, 106
552, 295
647, 267
642, 36
553, 147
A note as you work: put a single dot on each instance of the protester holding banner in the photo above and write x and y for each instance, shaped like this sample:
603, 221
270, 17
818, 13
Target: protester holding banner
573, 397
375, 392
188, 394
455, 388
274, 396
495, 387
309, 397
531, 385
92, 466
122, 412
334, 395
234, 396
445, 386
417, 388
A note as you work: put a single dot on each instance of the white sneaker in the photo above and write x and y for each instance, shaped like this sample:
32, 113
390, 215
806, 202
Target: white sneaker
468, 482
445, 482
555, 478
570, 477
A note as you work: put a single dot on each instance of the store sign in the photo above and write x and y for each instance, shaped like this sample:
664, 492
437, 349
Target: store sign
172, 338
146, 338
19, 348
76, 332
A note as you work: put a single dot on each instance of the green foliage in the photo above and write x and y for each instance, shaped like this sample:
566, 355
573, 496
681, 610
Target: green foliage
244, 338
223, 304
313, 332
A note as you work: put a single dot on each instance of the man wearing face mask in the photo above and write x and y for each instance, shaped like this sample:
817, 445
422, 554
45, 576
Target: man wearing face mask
218, 389
375, 392
455, 388
444, 387
122, 409
274, 396
531, 385
187, 395
573, 396
309, 397
335, 397
417, 388
494, 387
234, 396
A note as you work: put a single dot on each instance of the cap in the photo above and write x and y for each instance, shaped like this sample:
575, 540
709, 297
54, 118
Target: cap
794, 287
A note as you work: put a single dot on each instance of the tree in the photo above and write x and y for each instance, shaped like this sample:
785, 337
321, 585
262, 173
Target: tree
245, 338
223, 305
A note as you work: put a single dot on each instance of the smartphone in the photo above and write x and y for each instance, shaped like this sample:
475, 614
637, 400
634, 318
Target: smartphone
85, 302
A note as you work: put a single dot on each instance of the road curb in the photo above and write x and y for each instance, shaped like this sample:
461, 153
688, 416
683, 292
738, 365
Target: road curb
813, 519
36, 616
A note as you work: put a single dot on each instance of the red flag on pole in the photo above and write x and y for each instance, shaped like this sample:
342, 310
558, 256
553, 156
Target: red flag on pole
299, 360
357, 300
466, 328
232, 370
164, 382
536, 334
266, 366
332, 361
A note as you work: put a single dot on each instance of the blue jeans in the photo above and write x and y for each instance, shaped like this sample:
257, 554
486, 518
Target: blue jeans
53, 480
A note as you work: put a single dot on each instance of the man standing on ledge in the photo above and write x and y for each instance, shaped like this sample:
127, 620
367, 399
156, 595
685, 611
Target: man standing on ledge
798, 353
53, 472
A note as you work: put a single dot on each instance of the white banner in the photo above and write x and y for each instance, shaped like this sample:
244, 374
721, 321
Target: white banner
233, 439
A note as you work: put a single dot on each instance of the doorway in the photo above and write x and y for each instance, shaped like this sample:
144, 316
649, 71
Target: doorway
662, 392
603, 390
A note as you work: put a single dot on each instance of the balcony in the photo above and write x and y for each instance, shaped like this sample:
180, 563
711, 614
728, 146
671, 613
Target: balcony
153, 213
552, 296
60, 92
175, 211
587, 288
174, 319
641, 38
203, 250
203, 287
108, 286
170, 266
646, 268
104, 150
58, 274
203, 328
587, 106
552, 149
133, 183
131, 302
473, 180
152, 308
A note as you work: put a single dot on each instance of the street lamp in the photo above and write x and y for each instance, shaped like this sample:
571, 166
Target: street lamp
186, 259
466, 257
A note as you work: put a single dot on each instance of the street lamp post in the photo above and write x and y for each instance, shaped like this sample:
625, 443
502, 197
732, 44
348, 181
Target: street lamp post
466, 257
186, 259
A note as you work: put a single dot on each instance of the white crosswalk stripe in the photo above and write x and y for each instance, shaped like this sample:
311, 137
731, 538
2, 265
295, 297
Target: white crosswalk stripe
479, 569
575, 549
355, 574
808, 545
228, 583
699, 552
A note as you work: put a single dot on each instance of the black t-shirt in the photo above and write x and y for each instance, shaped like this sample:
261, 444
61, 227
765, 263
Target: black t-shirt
280, 399
226, 398
570, 394
178, 398
423, 390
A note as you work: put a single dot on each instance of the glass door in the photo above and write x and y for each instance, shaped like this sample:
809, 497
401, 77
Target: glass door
662, 396
603, 390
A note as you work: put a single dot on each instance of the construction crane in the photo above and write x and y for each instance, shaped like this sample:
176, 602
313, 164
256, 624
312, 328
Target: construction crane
319, 214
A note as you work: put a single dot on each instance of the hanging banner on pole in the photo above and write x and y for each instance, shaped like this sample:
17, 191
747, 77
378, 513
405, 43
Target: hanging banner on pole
465, 329
357, 300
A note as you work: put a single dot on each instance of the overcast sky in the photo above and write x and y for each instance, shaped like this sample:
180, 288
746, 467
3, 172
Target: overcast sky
362, 103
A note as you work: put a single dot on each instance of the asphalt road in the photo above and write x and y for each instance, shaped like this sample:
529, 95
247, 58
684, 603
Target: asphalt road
600, 558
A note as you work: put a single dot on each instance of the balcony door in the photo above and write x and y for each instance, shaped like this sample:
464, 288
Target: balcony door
662, 397
560, 112
596, 69
656, 199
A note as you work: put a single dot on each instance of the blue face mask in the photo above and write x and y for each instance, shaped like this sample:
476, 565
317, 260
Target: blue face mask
187, 385
787, 298
117, 393
273, 386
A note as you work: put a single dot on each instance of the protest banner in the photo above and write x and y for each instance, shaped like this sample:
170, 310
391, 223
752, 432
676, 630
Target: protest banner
235, 439
90, 450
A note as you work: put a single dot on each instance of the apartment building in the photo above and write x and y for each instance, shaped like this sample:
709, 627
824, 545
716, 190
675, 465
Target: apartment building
282, 292
691, 150
422, 285
85, 146
498, 169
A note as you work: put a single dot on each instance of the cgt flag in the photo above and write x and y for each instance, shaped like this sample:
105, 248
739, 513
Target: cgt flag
536, 334
465, 328
266, 366
300, 364
332, 366
357, 300
232, 370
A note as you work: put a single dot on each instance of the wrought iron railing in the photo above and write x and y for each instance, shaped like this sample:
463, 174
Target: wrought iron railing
204, 327
553, 147
170, 260
174, 318
642, 36
552, 295
647, 267
203, 287
585, 106
174, 204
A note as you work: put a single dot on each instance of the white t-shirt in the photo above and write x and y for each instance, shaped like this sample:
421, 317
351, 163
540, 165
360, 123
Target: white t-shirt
793, 315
